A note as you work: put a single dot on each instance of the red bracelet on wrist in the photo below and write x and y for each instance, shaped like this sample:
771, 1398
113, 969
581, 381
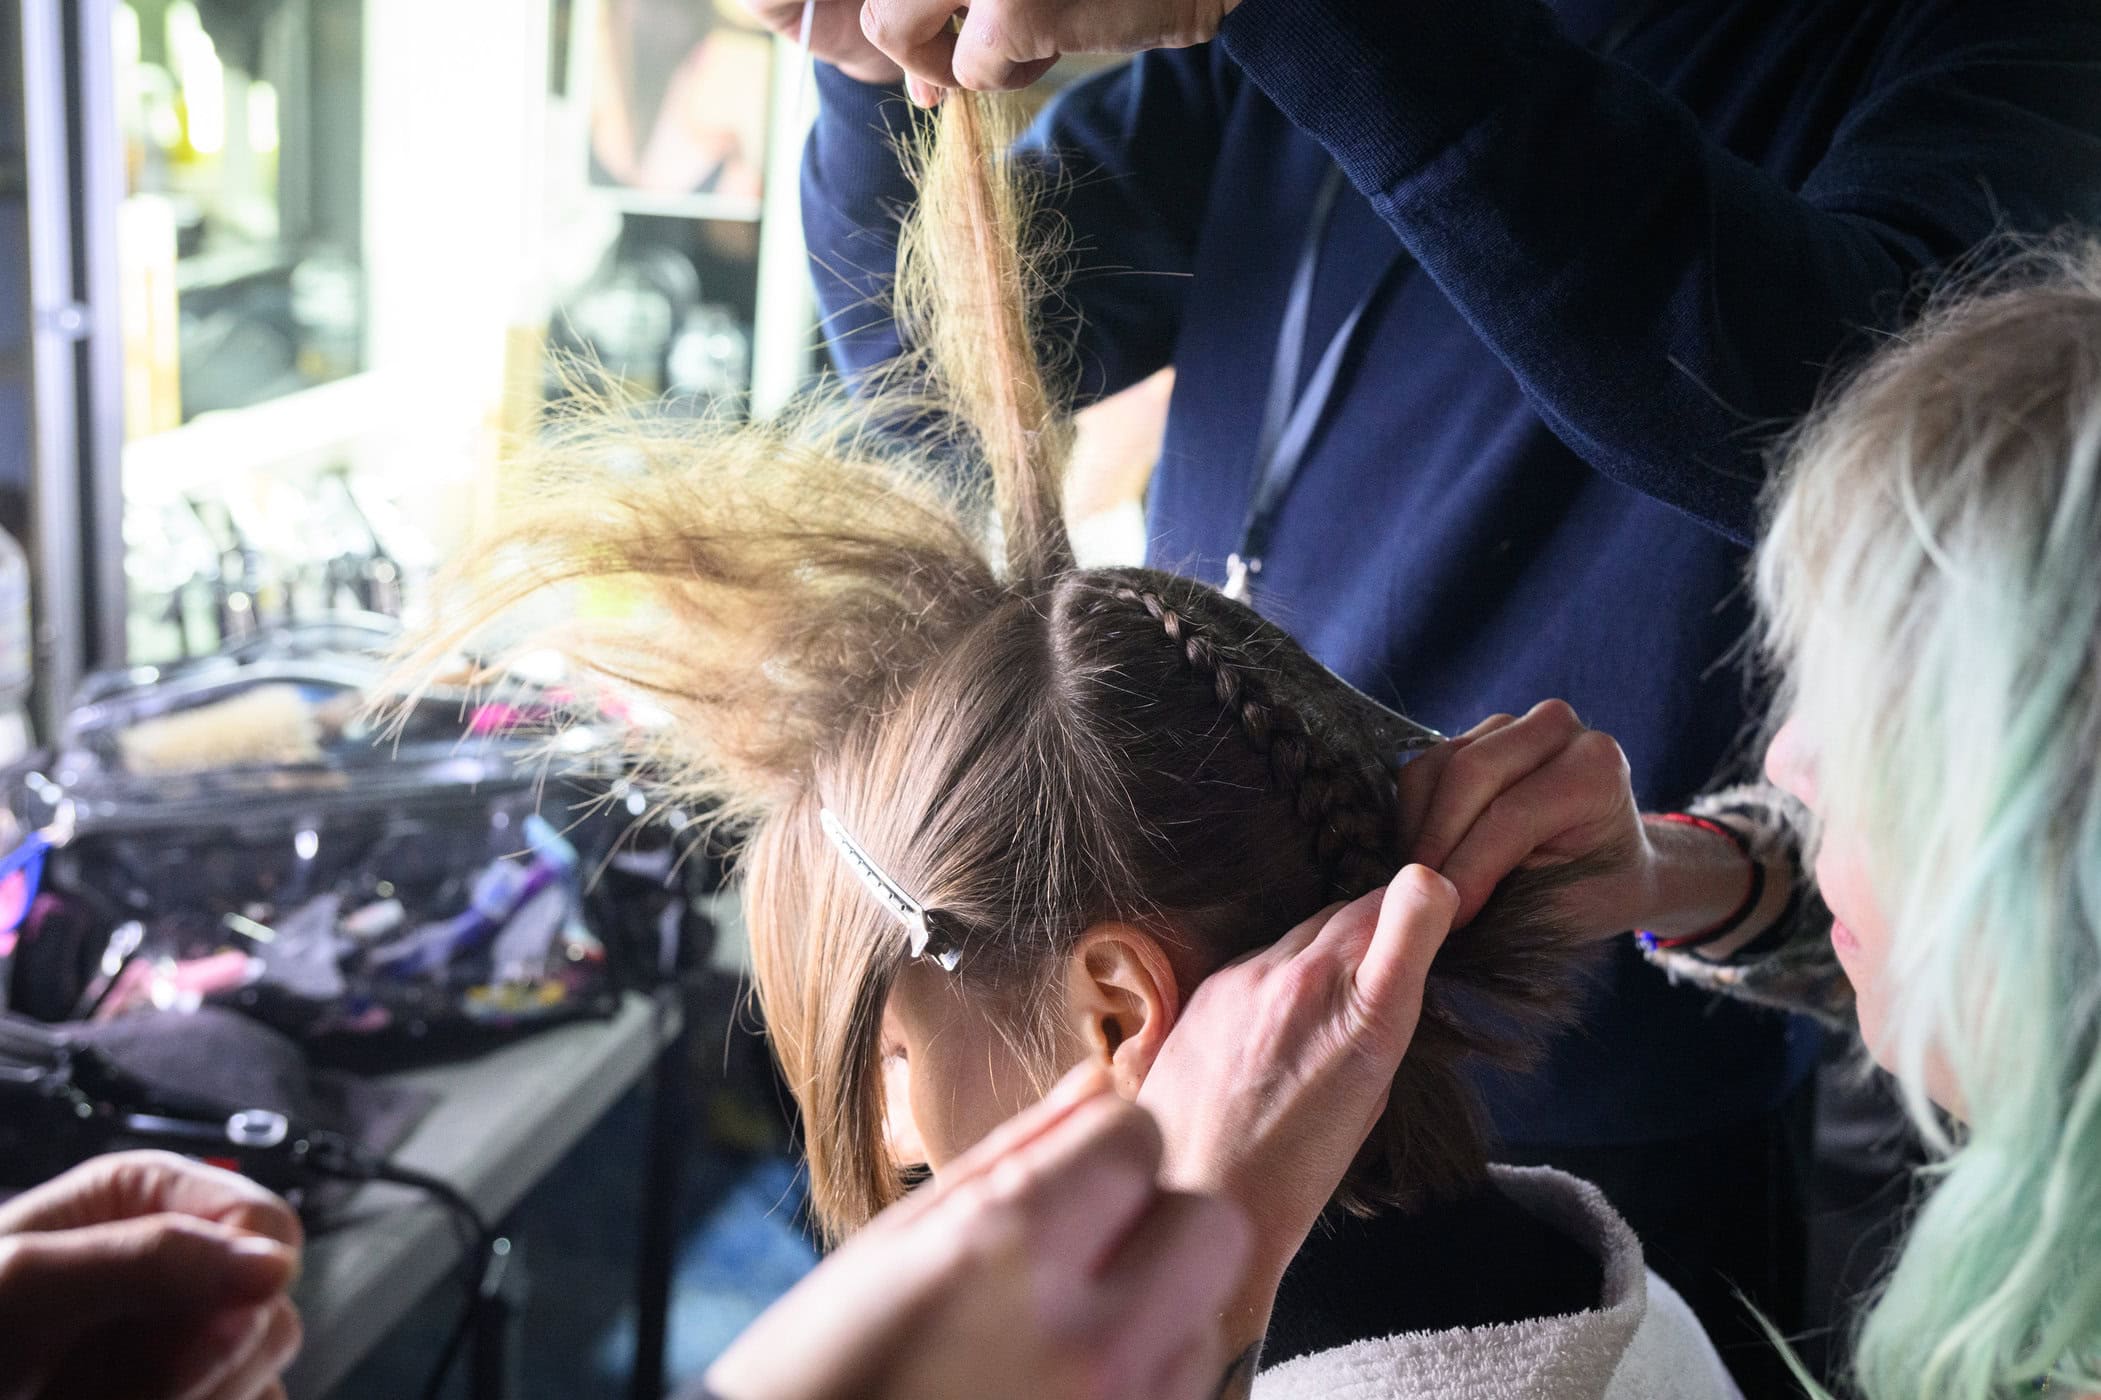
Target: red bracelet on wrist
1743, 910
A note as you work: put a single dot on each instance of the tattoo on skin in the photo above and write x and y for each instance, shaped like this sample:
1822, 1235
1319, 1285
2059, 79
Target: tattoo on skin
1239, 1380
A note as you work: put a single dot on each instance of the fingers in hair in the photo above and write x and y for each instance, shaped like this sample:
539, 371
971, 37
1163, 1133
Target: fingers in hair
1529, 814
1414, 919
1479, 772
914, 34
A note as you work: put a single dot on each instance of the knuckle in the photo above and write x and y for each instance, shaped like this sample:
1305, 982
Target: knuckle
18, 1265
1300, 983
1462, 762
1600, 751
1558, 713
1498, 816
978, 74
1467, 767
161, 1242
879, 24
1297, 979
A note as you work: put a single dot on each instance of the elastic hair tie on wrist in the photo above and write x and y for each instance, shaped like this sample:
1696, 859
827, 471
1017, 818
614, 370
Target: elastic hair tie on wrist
1735, 920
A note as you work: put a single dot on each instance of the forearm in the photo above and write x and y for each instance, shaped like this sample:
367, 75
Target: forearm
1238, 1382
1245, 1325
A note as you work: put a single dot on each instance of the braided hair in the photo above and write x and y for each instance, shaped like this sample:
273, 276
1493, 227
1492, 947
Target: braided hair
1349, 814
817, 613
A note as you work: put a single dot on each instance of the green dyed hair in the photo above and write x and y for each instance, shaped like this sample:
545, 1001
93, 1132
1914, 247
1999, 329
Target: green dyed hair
1931, 591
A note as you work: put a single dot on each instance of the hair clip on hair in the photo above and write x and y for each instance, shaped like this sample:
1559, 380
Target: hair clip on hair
919, 921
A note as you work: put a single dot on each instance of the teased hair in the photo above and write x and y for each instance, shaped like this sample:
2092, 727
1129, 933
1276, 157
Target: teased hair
823, 613
1931, 591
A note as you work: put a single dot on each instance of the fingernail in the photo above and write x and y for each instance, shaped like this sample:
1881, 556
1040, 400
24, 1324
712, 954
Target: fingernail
260, 1264
1435, 879
921, 94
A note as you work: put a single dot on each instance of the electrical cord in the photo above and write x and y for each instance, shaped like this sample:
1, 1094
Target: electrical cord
484, 1254
326, 1154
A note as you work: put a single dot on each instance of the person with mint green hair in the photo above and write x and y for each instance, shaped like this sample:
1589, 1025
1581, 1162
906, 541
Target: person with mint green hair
1930, 591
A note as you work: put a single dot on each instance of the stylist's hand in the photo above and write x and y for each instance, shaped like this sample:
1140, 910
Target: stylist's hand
1007, 44
148, 1276
1282, 1062
835, 36
1044, 1263
1539, 790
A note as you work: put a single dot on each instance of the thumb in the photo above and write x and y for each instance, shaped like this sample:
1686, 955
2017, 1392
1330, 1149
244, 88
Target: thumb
151, 1265
1414, 918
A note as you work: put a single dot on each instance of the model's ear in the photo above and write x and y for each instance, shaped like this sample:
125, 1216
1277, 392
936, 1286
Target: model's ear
1122, 993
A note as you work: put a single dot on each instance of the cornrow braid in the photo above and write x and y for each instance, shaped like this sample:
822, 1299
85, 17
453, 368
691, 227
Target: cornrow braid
1350, 817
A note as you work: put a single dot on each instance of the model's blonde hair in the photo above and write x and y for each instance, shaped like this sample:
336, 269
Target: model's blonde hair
1931, 587
832, 613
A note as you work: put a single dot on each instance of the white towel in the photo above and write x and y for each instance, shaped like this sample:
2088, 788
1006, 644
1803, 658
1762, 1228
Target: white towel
1641, 1342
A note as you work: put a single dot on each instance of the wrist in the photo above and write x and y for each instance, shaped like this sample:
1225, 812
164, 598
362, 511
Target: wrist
1245, 1322
1707, 885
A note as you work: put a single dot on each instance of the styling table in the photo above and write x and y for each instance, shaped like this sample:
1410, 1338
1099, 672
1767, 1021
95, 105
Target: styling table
501, 1122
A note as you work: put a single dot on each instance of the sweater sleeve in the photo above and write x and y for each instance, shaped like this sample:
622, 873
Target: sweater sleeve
1664, 303
1791, 966
1126, 157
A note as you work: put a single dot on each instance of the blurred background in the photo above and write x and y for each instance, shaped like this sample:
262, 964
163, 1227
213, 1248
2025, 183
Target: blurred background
283, 284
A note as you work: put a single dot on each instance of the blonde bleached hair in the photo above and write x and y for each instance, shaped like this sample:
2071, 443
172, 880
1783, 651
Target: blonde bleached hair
1931, 592
833, 613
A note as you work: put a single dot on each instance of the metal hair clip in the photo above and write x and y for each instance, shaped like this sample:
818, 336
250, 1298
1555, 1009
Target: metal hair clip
918, 920
1397, 734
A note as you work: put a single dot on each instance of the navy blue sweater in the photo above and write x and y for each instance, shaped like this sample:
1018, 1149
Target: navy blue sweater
1542, 458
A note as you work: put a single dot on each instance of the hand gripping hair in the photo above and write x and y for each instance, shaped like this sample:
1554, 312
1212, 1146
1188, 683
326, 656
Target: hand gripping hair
851, 629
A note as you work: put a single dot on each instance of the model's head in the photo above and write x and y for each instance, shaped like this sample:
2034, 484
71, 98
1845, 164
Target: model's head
1108, 782
1932, 591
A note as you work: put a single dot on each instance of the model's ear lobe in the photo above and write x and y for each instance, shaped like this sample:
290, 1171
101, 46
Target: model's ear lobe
1123, 997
